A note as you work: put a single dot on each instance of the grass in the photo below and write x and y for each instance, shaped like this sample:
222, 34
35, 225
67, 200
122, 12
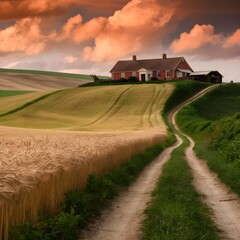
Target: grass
221, 102
80, 207
176, 211
106, 108
183, 91
13, 101
6, 93
213, 122
48, 73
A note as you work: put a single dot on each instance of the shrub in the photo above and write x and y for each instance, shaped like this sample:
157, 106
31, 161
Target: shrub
154, 79
133, 79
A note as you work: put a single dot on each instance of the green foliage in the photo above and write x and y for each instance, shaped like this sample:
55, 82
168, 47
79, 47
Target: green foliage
81, 206
154, 79
133, 79
217, 134
176, 211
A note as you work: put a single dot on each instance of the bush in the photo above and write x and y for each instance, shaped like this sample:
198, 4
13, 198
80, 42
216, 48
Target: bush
133, 79
154, 79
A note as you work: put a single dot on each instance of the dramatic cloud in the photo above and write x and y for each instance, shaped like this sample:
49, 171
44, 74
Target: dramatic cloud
14, 9
233, 40
83, 34
25, 36
128, 30
198, 37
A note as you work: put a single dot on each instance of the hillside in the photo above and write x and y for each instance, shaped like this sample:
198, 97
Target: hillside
28, 80
213, 121
108, 108
9, 103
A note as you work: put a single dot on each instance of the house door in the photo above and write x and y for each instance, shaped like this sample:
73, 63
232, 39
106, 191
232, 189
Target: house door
143, 77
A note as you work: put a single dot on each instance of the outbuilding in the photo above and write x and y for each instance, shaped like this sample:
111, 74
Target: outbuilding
207, 76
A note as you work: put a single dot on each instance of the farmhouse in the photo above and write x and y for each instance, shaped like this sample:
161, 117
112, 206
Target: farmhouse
162, 69
207, 76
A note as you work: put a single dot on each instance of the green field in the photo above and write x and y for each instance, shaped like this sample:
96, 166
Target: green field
48, 73
213, 122
107, 108
10, 100
6, 93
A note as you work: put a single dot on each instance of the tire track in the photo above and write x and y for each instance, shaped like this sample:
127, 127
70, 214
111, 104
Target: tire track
224, 204
123, 218
145, 122
99, 119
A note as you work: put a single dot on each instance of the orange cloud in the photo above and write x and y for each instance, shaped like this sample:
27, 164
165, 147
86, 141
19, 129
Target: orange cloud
233, 40
16, 9
90, 30
25, 36
198, 37
128, 30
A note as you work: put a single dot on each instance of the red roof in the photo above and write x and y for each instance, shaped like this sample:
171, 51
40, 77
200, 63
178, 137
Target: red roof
149, 64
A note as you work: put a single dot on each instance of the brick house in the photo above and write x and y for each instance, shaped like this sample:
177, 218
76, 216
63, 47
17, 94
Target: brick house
163, 69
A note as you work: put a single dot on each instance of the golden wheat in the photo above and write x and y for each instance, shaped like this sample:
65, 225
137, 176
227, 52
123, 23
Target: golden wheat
37, 170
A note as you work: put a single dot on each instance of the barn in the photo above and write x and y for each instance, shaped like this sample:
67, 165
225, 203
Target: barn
207, 76
162, 68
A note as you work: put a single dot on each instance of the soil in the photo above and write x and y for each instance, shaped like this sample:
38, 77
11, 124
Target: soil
123, 218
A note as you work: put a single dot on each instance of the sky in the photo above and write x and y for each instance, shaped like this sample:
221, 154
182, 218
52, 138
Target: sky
89, 36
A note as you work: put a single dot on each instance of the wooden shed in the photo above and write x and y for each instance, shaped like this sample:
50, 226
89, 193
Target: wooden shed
207, 76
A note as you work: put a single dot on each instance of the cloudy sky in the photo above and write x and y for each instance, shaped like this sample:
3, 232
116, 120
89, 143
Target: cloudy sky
88, 36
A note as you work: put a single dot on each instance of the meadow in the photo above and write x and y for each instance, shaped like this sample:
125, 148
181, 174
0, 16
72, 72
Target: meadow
213, 122
48, 73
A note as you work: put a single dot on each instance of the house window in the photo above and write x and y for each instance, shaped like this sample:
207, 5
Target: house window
123, 75
134, 74
158, 74
168, 73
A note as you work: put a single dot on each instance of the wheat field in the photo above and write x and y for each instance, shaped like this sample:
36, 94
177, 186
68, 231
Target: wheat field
12, 102
38, 166
106, 108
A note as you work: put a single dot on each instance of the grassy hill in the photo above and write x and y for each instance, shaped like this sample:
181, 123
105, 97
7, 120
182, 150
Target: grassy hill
213, 121
10, 100
48, 73
107, 108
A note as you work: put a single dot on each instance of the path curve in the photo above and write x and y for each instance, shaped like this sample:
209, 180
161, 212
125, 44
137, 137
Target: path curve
122, 219
224, 204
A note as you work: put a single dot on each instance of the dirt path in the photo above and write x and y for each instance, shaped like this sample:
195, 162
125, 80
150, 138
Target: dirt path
122, 220
224, 205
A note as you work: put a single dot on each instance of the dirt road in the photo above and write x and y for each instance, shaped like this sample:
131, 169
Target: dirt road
224, 205
122, 220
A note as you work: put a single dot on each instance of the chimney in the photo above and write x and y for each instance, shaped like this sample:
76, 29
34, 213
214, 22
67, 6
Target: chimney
134, 58
164, 56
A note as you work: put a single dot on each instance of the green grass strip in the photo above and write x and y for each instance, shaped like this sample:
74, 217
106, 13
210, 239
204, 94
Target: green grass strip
8, 93
47, 73
176, 212
82, 206
28, 104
